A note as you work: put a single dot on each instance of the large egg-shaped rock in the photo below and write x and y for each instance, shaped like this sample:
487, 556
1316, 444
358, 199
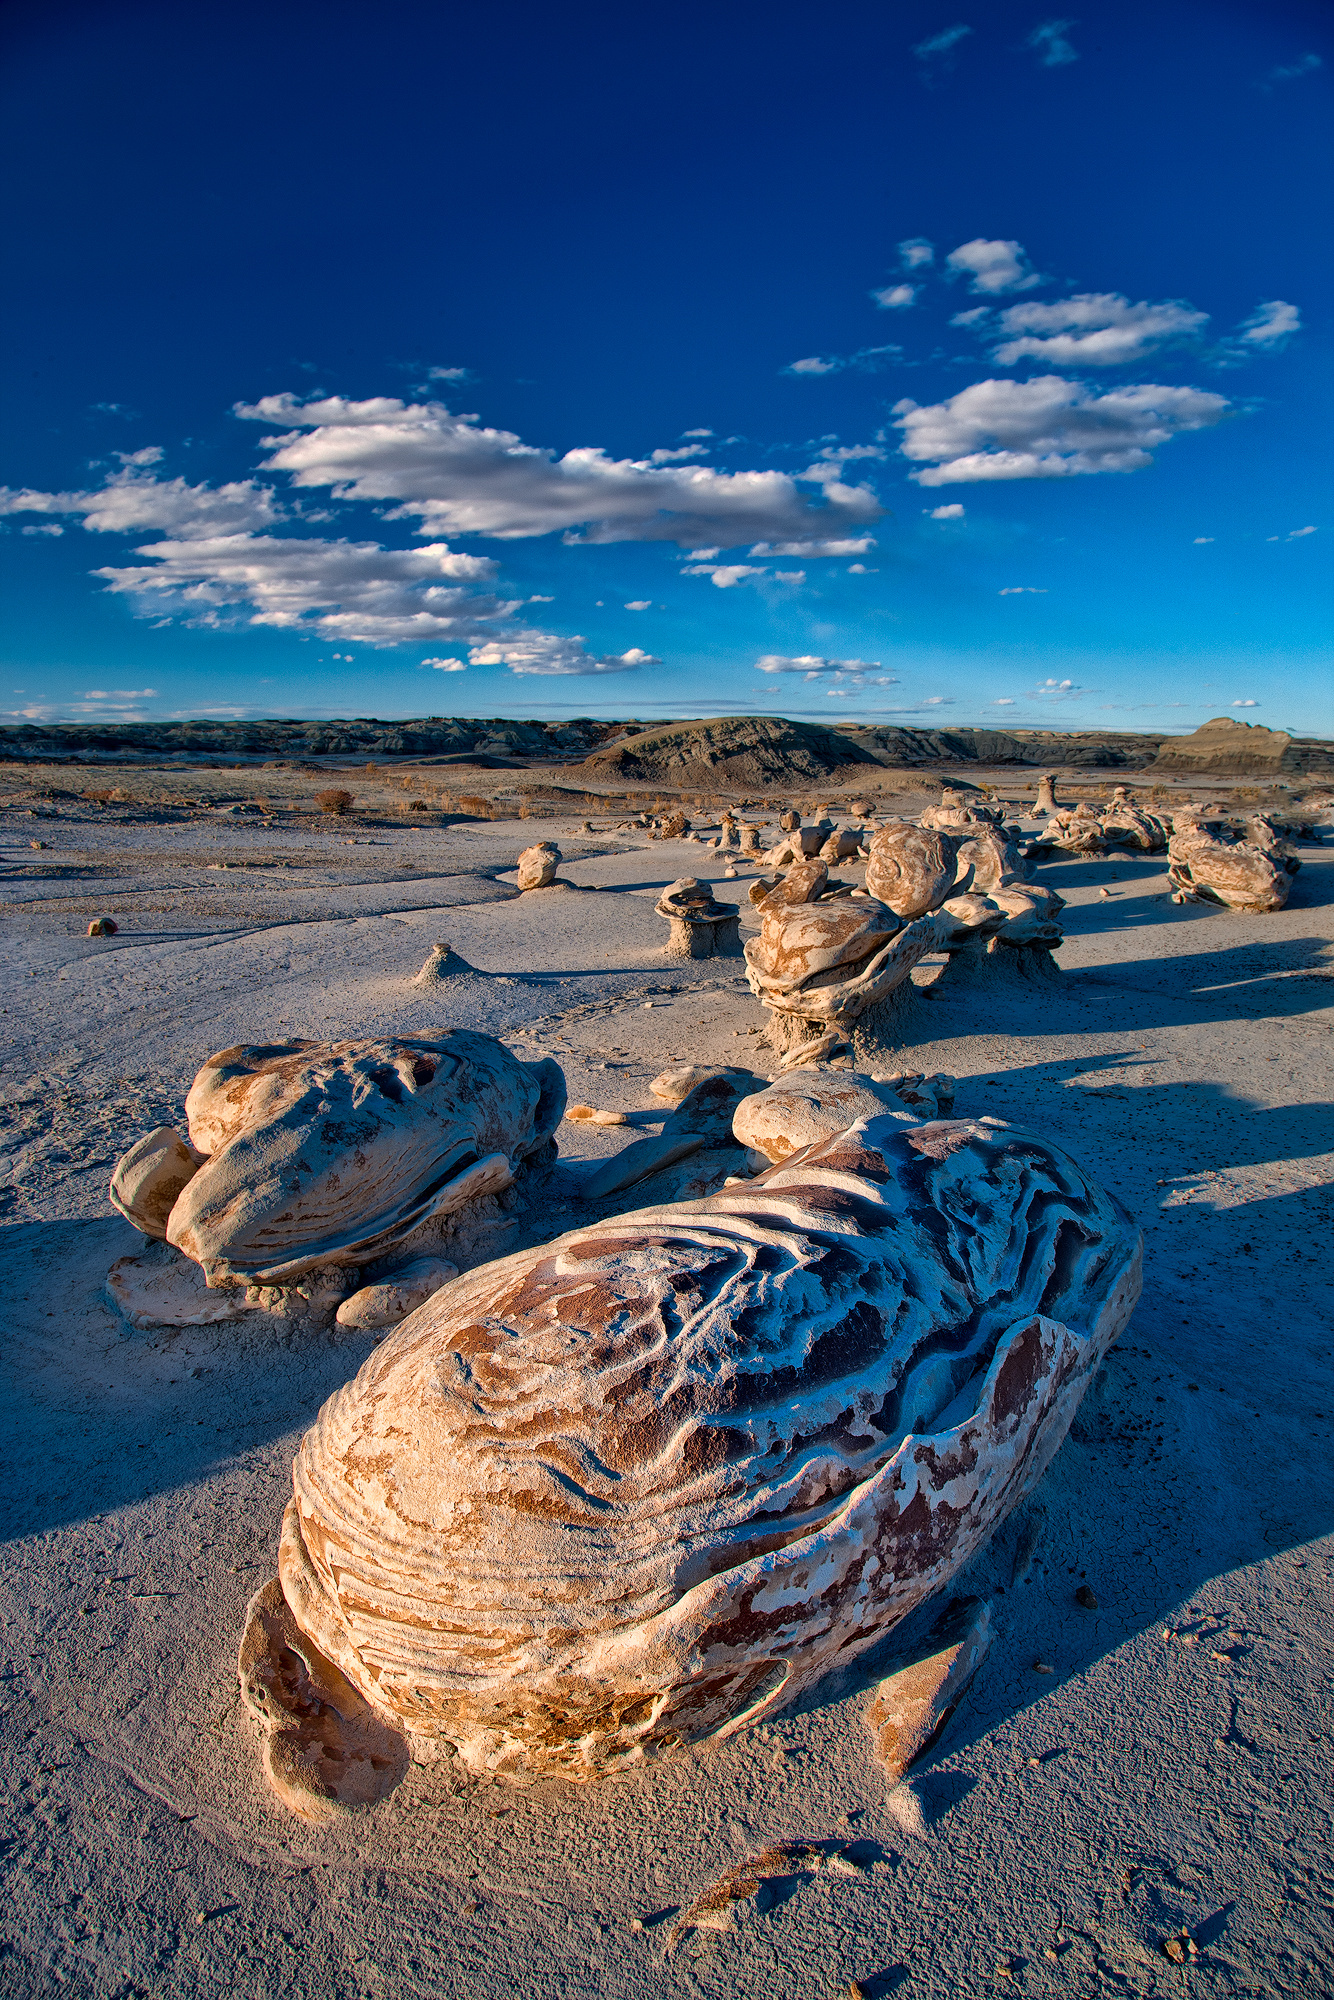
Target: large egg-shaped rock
338, 1152
640, 1485
911, 868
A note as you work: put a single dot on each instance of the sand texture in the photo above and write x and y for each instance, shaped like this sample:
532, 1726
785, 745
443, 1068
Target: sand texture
1146, 1745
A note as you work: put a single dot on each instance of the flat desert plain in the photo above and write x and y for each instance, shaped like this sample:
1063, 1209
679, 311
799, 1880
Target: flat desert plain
1171, 1769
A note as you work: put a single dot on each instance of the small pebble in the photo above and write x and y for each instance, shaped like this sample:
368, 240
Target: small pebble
1086, 1597
1042, 1667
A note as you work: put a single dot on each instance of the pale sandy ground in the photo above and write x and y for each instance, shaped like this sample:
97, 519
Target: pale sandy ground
1174, 1768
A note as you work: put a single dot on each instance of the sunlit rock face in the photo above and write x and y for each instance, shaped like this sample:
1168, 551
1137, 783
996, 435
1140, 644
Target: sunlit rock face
639, 1486
1207, 862
339, 1152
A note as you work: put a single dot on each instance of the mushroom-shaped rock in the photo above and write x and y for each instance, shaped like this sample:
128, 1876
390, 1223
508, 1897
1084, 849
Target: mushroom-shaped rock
911, 868
645, 1484
538, 865
790, 820
339, 1152
808, 1106
1208, 863
827, 962
700, 926
751, 843
1046, 802
148, 1179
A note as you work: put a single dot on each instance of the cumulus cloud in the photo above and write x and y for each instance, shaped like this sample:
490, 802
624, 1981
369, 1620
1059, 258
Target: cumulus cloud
42, 528
1022, 590
1049, 42
1289, 72
342, 590
1200, 540
812, 364
915, 253
662, 456
952, 511
460, 477
1047, 428
858, 547
134, 499
789, 576
639, 604
895, 297
993, 267
545, 653
1293, 535
1245, 704
447, 666
700, 431
1054, 690
840, 676
1092, 329
725, 575
1270, 324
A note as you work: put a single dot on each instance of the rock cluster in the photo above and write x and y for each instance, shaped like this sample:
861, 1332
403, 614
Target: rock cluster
1208, 861
642, 1485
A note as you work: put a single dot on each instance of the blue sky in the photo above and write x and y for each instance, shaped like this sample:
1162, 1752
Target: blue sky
908, 362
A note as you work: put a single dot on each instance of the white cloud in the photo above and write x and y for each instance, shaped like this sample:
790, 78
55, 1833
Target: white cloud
640, 604
866, 359
448, 666
860, 569
43, 528
1288, 72
725, 575
344, 591
700, 431
662, 456
545, 653
1201, 540
993, 266
859, 547
1055, 690
134, 499
1093, 329
1051, 45
705, 555
1021, 590
851, 675
118, 694
461, 478
915, 253
1245, 704
895, 297
448, 374
1003, 701
1270, 323
975, 316
1293, 535
1047, 428
789, 576
938, 50
952, 511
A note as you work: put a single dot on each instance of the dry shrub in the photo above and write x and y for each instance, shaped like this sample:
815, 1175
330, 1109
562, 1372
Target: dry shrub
99, 798
419, 806
478, 808
335, 801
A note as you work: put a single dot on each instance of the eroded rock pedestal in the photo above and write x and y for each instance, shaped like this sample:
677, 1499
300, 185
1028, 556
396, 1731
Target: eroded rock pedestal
700, 926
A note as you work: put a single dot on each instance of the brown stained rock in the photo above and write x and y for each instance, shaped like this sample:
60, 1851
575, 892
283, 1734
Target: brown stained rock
325, 1751
392, 1298
915, 1700
841, 845
825, 1048
641, 1485
103, 927
807, 1106
675, 827
825, 963
338, 1152
1208, 863
708, 1106
804, 881
1125, 824
700, 926
790, 820
538, 865
716, 1908
911, 868
148, 1179
163, 1288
